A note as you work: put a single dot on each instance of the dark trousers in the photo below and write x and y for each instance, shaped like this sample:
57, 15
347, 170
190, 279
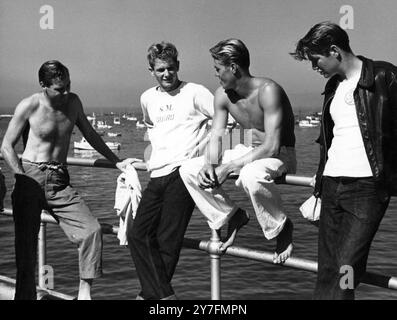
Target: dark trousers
351, 212
156, 234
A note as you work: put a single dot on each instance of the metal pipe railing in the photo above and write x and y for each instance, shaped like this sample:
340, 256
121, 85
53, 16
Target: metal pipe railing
212, 246
42, 253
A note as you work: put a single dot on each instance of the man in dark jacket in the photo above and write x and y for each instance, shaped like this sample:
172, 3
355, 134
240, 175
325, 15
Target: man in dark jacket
358, 163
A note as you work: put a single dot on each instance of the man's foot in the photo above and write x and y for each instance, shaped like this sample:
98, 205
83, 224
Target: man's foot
85, 289
239, 220
284, 243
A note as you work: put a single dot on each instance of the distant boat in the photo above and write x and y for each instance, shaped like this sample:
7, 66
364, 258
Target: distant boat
116, 120
140, 124
84, 145
314, 119
90, 118
132, 118
308, 124
114, 134
102, 125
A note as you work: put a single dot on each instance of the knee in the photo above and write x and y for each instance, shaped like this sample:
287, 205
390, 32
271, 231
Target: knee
93, 230
248, 176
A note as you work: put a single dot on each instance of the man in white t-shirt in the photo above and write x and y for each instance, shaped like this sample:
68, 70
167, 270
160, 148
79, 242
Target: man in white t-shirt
176, 114
358, 161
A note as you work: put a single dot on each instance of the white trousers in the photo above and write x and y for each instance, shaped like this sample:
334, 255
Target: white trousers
255, 178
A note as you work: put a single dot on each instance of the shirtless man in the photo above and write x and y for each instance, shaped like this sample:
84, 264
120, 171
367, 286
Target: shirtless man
261, 106
42, 180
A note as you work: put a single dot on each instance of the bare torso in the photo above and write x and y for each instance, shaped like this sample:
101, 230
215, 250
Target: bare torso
249, 113
50, 128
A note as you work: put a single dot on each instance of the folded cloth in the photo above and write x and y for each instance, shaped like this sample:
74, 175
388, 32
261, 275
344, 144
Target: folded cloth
127, 197
311, 208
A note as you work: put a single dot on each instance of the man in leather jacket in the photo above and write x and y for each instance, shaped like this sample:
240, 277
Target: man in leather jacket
358, 162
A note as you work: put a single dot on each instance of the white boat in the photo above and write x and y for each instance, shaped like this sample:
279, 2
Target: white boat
116, 120
102, 125
140, 124
307, 124
84, 145
114, 134
90, 118
132, 118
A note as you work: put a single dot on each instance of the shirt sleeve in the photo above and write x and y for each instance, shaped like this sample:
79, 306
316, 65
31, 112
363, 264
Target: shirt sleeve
146, 118
204, 101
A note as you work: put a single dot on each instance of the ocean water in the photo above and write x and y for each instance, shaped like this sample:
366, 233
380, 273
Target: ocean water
242, 279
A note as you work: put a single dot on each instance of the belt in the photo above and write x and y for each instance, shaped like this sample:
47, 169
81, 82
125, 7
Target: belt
347, 180
53, 165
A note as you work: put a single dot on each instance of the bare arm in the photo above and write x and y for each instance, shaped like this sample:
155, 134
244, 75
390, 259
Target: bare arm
92, 136
14, 132
207, 177
214, 149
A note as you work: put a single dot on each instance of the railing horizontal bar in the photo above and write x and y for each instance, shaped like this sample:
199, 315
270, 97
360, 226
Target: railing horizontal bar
141, 166
7, 291
47, 218
370, 278
262, 256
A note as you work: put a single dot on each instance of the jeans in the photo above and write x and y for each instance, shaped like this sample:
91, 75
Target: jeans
46, 186
156, 234
351, 212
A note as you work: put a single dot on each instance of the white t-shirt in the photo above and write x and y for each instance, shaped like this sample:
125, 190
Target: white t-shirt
346, 156
176, 124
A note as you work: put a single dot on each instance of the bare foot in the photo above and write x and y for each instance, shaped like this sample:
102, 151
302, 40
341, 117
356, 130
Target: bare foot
284, 243
239, 220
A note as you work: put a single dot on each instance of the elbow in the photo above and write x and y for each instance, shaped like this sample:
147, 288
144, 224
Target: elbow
6, 148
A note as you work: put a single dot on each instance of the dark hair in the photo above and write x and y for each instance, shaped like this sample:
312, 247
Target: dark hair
52, 70
319, 40
231, 51
163, 51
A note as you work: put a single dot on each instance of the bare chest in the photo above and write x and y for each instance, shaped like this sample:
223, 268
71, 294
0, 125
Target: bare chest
248, 113
49, 124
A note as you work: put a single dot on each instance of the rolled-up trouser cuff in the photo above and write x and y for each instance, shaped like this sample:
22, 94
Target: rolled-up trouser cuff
216, 225
276, 231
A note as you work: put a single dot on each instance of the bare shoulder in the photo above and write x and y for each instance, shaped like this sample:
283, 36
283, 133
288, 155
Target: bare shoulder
74, 99
271, 94
75, 102
28, 105
269, 86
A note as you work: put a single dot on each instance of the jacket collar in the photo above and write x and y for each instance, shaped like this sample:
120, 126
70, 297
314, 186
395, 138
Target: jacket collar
366, 78
367, 73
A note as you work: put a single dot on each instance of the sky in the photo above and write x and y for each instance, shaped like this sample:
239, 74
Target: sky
104, 43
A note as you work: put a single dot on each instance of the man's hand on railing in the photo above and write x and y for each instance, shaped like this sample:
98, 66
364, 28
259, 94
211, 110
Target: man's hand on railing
137, 163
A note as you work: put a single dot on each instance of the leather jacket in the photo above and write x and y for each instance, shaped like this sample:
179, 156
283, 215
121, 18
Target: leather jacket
375, 99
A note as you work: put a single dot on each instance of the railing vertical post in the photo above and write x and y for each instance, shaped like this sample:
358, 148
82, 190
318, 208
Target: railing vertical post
42, 252
215, 267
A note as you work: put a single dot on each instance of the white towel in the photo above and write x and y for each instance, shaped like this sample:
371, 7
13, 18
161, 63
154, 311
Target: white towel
127, 197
